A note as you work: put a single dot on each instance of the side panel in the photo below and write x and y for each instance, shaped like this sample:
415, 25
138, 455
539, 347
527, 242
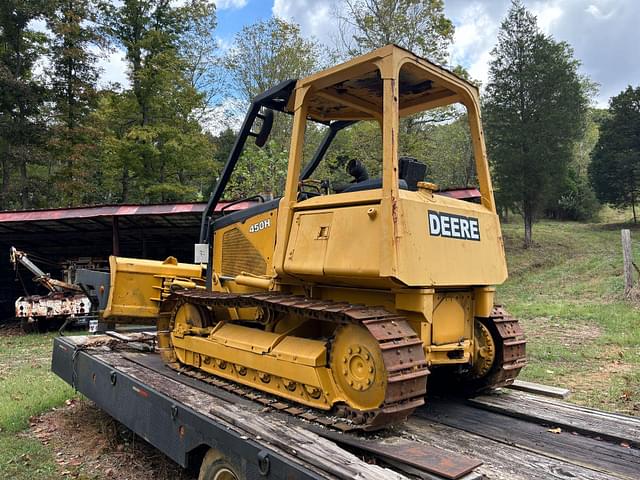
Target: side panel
461, 247
339, 245
346, 244
246, 246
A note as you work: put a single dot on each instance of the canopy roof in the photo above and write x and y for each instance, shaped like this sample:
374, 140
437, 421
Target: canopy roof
354, 90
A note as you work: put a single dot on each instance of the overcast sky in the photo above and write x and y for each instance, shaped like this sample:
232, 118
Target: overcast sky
605, 34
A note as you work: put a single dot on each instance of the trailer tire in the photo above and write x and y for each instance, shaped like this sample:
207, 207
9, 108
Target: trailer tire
217, 466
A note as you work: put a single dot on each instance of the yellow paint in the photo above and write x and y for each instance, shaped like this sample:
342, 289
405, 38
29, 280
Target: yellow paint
374, 247
136, 285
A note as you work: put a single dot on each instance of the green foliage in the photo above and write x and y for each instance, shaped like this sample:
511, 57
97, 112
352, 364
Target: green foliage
265, 54
577, 201
535, 112
268, 52
72, 80
417, 25
446, 148
574, 198
615, 167
260, 171
23, 122
63, 142
155, 148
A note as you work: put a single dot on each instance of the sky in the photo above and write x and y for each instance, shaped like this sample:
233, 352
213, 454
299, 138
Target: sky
604, 34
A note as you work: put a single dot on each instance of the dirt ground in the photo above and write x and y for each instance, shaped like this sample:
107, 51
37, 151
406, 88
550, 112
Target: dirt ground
10, 328
88, 444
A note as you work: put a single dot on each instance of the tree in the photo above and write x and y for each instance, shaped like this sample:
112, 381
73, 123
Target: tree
156, 140
417, 25
615, 165
574, 198
535, 111
198, 48
23, 123
72, 77
263, 55
269, 52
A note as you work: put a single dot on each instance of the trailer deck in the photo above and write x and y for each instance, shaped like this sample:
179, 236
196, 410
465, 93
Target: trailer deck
511, 435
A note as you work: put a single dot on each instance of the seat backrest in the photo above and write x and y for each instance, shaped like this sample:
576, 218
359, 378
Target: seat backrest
372, 184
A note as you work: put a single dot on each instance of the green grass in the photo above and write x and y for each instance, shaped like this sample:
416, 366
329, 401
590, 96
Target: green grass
581, 331
27, 388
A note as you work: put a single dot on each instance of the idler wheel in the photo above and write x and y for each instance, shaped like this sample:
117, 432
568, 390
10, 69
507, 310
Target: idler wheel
484, 350
189, 315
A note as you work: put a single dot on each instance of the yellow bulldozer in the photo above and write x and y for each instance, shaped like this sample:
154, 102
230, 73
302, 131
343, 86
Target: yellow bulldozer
342, 300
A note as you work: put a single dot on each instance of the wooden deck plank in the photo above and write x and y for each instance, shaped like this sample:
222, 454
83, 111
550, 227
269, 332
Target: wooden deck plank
579, 450
501, 461
615, 427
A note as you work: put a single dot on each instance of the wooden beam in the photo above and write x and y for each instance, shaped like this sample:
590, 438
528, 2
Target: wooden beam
627, 258
544, 390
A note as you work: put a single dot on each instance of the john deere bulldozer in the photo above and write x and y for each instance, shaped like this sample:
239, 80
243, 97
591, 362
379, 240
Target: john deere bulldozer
340, 298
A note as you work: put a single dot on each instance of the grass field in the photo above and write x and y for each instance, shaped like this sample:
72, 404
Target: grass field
567, 291
27, 388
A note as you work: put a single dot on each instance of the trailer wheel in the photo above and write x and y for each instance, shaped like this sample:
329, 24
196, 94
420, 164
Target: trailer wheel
217, 466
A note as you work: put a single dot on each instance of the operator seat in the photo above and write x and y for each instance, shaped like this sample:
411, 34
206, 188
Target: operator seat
411, 172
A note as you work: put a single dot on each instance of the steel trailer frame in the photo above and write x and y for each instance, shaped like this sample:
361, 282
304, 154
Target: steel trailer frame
180, 432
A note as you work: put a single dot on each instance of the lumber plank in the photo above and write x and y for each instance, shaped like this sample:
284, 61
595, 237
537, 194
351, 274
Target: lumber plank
409, 453
501, 461
537, 388
598, 455
588, 421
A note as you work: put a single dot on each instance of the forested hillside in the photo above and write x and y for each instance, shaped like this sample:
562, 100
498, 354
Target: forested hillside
67, 138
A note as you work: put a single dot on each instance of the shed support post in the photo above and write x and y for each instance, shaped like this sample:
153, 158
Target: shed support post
115, 250
115, 236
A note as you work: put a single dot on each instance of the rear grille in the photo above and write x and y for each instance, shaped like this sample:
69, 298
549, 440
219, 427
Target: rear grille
239, 255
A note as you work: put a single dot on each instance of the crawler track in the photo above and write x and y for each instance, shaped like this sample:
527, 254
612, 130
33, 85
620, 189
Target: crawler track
510, 351
401, 349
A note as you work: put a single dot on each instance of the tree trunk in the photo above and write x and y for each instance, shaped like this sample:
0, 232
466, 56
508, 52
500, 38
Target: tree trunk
6, 176
528, 226
25, 187
633, 208
125, 185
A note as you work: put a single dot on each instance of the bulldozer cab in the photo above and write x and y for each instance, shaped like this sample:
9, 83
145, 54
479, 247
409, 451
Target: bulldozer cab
383, 231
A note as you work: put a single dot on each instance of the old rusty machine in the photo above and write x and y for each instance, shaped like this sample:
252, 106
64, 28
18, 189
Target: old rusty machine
343, 302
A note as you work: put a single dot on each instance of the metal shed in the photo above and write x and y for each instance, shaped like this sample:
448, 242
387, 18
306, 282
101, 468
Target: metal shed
144, 231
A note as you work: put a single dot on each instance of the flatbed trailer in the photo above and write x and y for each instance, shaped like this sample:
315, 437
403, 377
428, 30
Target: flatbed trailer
503, 436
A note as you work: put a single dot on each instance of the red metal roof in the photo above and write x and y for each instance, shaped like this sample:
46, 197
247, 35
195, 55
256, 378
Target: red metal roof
461, 193
112, 211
